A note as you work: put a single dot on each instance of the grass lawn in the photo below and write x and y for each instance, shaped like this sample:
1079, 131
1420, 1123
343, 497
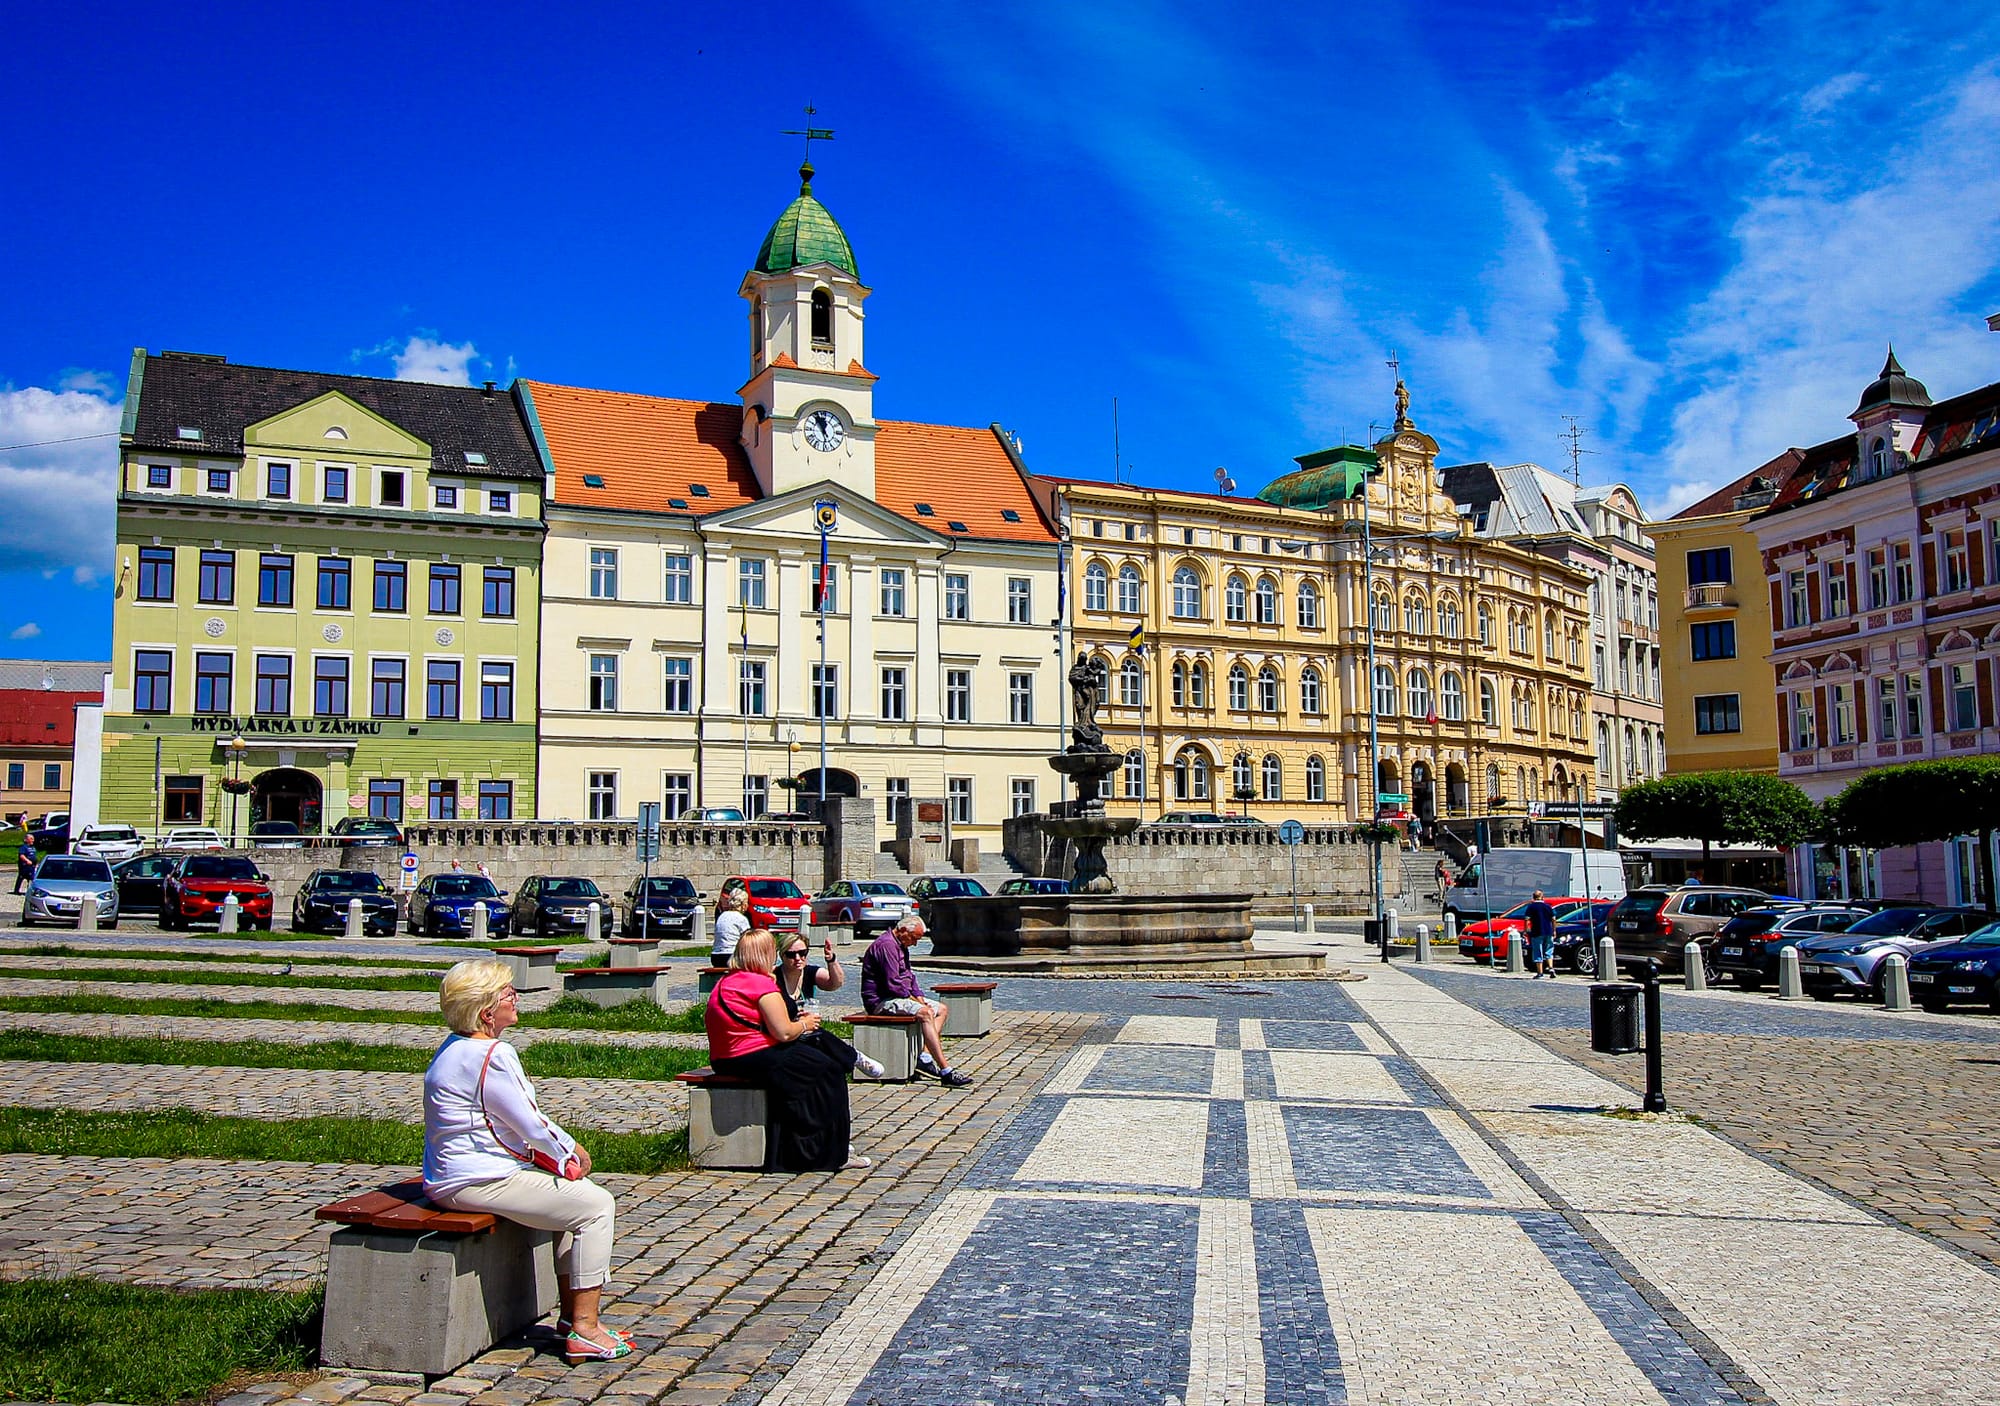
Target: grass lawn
554, 1059
415, 981
180, 1132
168, 954
82, 1340
570, 1013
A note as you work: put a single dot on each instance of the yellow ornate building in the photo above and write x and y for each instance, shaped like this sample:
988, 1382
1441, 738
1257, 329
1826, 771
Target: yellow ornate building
1234, 638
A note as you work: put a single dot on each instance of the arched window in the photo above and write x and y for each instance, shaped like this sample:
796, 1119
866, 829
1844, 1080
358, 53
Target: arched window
1274, 778
1267, 601
1452, 692
1239, 689
1603, 750
1382, 612
1131, 684
1448, 619
1096, 586
1385, 691
1549, 636
1576, 717
757, 326
1241, 782
1198, 685
1180, 683
1485, 624
1187, 594
1528, 708
1235, 598
1131, 590
1645, 753
1308, 606
1315, 779
1575, 647
1420, 693
1631, 750
1534, 784
1309, 690
1416, 615
1878, 459
1190, 775
1100, 670
822, 319
1267, 690
1489, 703
1492, 783
1521, 782
1135, 775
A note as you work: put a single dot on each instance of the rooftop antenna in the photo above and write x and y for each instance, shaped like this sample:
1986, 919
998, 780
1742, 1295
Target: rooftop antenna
1574, 434
811, 134
1224, 482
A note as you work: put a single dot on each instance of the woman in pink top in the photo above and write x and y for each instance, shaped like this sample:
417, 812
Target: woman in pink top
750, 1036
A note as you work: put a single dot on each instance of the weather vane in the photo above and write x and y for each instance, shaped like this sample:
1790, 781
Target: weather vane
811, 133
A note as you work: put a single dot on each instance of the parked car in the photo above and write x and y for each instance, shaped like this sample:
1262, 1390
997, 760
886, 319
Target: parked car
668, 904
1851, 963
1961, 971
714, 815
320, 905
1578, 933
277, 834
139, 880
929, 887
111, 843
194, 889
559, 903
1502, 878
50, 833
868, 906
775, 903
1747, 946
1249, 820
1190, 817
1656, 922
1487, 939
367, 830
191, 837
441, 905
60, 884
1029, 886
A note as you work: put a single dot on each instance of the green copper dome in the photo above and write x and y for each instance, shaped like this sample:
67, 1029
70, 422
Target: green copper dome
805, 234
1329, 476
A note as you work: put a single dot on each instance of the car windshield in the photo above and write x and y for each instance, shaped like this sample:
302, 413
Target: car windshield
1890, 922
669, 888
112, 832
1518, 911
274, 827
961, 888
219, 866
775, 888
1745, 924
85, 870
365, 827
1988, 936
569, 888
464, 886
879, 891
352, 881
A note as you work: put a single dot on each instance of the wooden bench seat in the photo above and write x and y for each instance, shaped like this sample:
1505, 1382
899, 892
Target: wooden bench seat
414, 1288
534, 967
968, 1006
711, 975
729, 1121
894, 1041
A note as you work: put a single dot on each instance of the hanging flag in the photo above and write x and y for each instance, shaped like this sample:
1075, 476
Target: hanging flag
1137, 639
1430, 718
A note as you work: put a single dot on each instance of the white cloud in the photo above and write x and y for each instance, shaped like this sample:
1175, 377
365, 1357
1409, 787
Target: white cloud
440, 363
25, 632
57, 500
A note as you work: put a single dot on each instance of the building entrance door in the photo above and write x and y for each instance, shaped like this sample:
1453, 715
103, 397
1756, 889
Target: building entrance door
288, 794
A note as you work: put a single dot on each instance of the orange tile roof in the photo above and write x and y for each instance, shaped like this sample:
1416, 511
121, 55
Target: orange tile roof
963, 474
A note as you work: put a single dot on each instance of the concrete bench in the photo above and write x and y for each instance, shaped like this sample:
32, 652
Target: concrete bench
894, 1041
711, 975
417, 1289
968, 1007
729, 1121
635, 951
534, 967
615, 986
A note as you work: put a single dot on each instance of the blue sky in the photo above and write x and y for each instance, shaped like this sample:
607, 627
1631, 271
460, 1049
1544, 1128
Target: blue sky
1691, 226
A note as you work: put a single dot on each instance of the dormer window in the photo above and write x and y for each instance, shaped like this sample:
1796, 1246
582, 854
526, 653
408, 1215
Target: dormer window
1878, 459
822, 319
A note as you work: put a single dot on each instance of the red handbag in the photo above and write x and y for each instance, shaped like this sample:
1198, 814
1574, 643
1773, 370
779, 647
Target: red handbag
571, 1170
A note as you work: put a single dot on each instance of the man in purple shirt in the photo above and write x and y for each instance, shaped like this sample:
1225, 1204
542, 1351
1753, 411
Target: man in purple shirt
889, 987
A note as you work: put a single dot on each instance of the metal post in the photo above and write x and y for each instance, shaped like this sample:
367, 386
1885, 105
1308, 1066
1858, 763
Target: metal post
1656, 1097
479, 921
159, 796
819, 698
1295, 886
354, 917
1374, 742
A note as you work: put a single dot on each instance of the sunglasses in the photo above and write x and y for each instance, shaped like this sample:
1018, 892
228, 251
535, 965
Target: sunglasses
799, 952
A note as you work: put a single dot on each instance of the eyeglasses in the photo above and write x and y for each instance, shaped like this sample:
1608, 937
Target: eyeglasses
798, 952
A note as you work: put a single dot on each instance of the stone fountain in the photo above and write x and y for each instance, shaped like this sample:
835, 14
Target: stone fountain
1095, 928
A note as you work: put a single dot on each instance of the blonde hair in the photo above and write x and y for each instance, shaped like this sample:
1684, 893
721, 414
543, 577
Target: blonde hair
756, 951
732, 900
469, 990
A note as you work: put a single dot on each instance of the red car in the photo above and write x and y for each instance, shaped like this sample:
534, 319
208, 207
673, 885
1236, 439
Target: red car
194, 889
1486, 940
775, 903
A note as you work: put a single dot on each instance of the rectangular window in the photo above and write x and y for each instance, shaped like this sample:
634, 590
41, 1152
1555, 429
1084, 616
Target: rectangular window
496, 800
676, 795
602, 791
153, 681
496, 693
336, 485
1885, 710
826, 690
958, 695
274, 580
756, 797
826, 588
958, 794
156, 573
677, 580
1020, 698
1840, 725
159, 475
1020, 796
182, 801
1805, 724
385, 799
603, 683
892, 590
443, 800
329, 688
392, 587
17, 776
750, 583
336, 579
444, 590
957, 596
444, 497
1913, 705
1716, 641
500, 500
604, 573
1710, 567
1957, 563
1718, 712
1878, 578
213, 675
496, 600
677, 696
215, 583
894, 694
385, 688
441, 690
750, 688
218, 480
1020, 600
392, 489
1906, 576
274, 685
1836, 591
1964, 699
896, 793
1798, 610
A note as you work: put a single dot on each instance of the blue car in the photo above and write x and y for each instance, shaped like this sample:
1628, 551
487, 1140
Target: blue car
442, 906
1577, 934
1964, 971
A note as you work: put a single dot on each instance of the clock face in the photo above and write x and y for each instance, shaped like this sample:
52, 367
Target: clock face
824, 431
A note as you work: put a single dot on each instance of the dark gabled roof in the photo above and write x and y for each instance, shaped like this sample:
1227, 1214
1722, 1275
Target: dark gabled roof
1723, 500
1470, 485
1965, 424
1820, 470
222, 400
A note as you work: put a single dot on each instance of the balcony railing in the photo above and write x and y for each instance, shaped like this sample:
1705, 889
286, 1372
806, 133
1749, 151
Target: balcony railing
1719, 594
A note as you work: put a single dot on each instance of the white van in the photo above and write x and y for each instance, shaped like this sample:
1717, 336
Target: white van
1506, 878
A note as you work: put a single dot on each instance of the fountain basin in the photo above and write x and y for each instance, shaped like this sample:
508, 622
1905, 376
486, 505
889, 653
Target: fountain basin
1050, 934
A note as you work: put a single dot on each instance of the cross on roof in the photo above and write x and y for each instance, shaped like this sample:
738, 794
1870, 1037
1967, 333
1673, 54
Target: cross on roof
810, 132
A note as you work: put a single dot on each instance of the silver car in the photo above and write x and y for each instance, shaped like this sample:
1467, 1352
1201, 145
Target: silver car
112, 843
1851, 963
61, 882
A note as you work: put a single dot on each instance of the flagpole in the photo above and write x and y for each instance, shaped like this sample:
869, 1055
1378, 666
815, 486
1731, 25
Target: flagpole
820, 693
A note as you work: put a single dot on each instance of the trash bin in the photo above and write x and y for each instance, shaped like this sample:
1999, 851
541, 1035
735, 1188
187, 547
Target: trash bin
1372, 931
1614, 1018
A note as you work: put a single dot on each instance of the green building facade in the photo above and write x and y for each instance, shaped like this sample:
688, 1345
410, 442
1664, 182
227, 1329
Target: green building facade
328, 592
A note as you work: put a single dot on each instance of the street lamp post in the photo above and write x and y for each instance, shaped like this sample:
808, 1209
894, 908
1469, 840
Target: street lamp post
1374, 740
237, 747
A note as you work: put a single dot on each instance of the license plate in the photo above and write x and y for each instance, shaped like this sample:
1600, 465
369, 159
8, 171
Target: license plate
1732, 951
1921, 977
1811, 969
1628, 927
1962, 990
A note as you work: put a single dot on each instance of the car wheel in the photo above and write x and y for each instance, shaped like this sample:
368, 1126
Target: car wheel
1583, 959
1710, 973
1750, 981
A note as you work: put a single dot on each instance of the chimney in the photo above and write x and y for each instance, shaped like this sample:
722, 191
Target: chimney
1757, 493
487, 394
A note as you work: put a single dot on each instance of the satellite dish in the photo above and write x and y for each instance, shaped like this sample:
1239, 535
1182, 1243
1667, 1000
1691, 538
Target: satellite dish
1224, 482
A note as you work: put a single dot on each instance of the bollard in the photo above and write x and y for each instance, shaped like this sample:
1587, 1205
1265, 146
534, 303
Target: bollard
1395, 928
86, 918
354, 917
1895, 982
1423, 944
593, 925
230, 909
1693, 975
1607, 959
1449, 934
1790, 988
1516, 958
1312, 921
479, 921
698, 929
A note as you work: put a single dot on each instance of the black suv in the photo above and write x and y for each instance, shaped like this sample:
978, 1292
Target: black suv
548, 904
367, 830
320, 905
668, 906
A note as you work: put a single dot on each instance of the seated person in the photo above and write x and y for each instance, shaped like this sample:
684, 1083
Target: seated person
488, 1147
731, 922
889, 987
750, 1036
800, 983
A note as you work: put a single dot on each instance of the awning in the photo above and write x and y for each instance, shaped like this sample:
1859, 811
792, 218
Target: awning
1677, 848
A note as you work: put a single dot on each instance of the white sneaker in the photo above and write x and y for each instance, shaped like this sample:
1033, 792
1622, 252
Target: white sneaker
870, 1068
856, 1163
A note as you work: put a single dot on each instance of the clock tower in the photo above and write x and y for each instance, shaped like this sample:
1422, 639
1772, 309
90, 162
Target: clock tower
809, 405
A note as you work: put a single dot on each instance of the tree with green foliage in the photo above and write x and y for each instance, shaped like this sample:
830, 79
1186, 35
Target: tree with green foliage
1920, 802
1718, 807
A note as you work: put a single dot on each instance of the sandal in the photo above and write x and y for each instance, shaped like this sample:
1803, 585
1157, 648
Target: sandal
577, 1350
564, 1328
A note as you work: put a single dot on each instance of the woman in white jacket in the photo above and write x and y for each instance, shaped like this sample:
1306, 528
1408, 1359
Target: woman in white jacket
488, 1147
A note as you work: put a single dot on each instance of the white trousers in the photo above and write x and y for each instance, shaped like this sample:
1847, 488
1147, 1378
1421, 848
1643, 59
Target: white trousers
581, 1212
